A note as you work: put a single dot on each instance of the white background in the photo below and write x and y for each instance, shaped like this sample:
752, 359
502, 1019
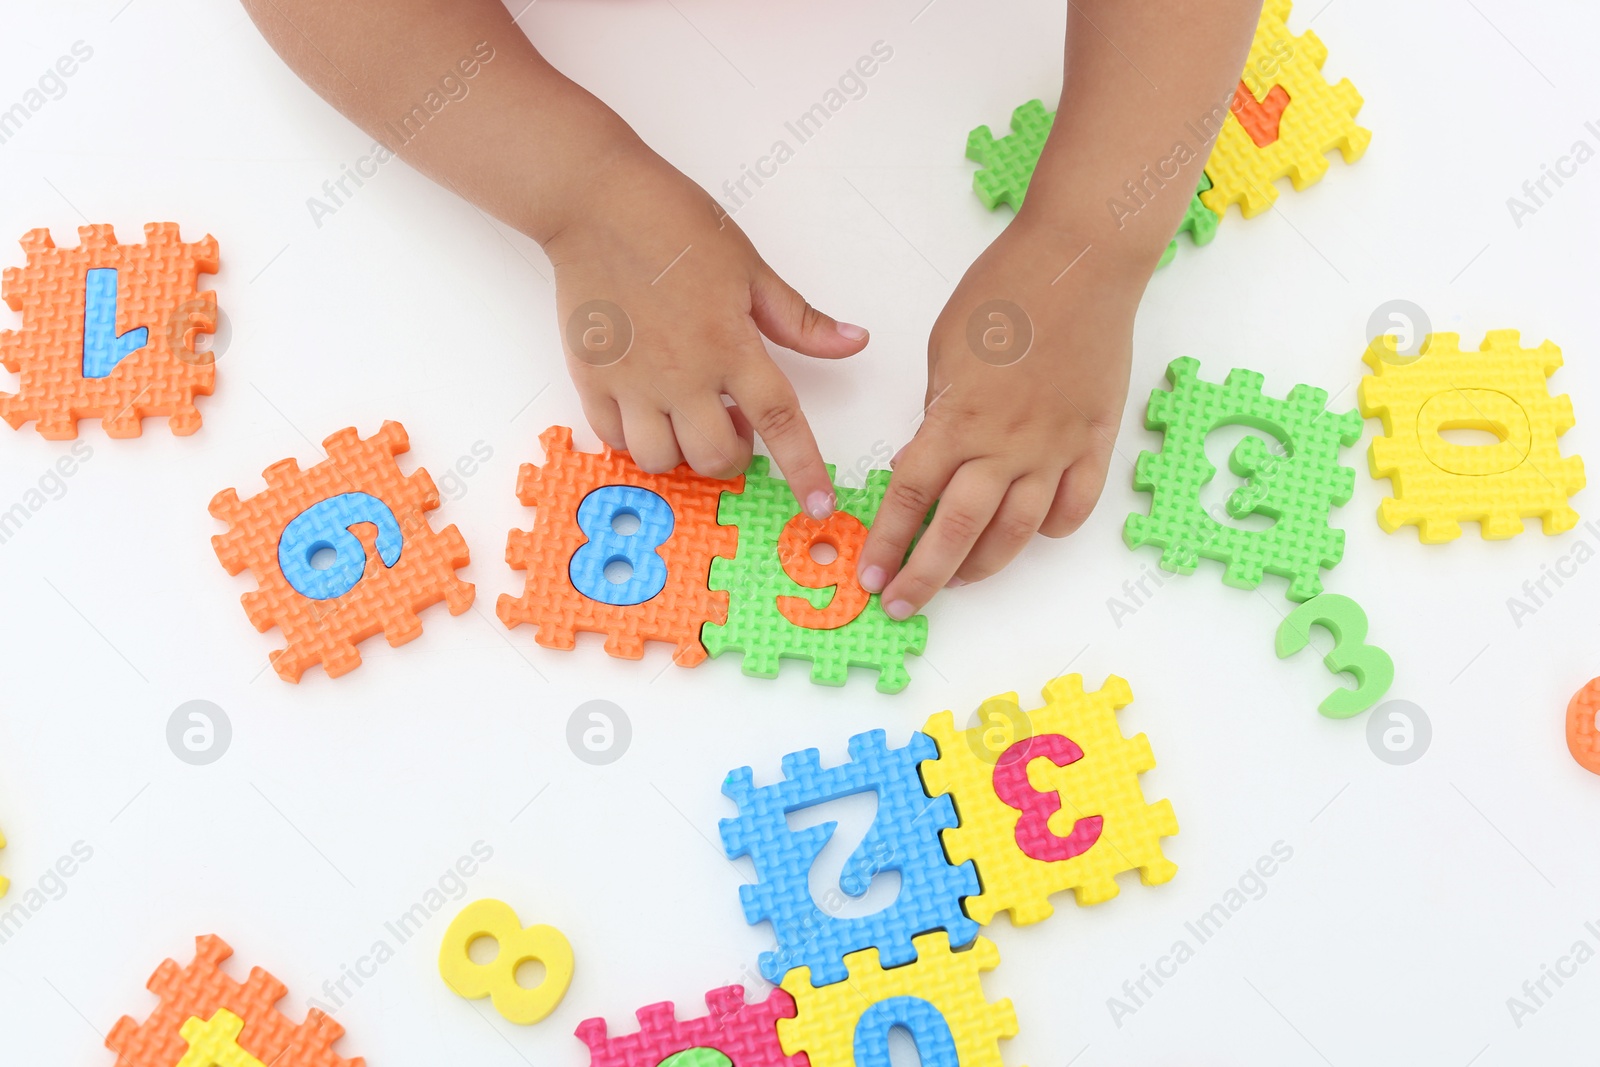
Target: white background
1418, 898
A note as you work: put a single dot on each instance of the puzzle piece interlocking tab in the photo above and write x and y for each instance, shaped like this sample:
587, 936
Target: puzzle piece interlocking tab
1501, 388
1059, 807
360, 503
108, 331
1296, 484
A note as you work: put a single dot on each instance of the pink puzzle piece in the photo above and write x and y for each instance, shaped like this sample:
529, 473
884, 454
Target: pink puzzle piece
746, 1033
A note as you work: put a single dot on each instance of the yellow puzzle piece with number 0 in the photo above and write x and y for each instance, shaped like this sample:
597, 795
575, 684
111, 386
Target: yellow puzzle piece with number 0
938, 1000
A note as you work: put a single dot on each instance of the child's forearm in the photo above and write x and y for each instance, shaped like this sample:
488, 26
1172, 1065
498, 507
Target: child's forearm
1145, 89
522, 141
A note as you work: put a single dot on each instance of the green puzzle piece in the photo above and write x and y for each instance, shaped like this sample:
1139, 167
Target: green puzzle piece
1297, 486
1008, 164
754, 579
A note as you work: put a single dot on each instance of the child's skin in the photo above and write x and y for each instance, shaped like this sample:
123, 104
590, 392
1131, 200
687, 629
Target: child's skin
1006, 450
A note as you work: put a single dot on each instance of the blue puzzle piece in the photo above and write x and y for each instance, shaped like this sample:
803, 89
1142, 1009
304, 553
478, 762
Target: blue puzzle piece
639, 549
326, 524
904, 837
102, 348
936, 1047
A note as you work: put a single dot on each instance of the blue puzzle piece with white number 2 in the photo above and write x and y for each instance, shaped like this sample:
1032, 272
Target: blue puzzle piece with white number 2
904, 838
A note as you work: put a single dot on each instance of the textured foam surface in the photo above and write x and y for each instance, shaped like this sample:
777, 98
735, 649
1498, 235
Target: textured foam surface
201, 989
758, 587
559, 611
1089, 809
904, 837
386, 599
1296, 481
156, 291
1500, 388
745, 1033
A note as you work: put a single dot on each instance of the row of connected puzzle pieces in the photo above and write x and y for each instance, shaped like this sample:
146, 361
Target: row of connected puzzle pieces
997, 817
711, 566
1292, 474
1283, 121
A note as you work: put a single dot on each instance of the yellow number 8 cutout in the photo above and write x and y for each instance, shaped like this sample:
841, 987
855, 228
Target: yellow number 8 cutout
497, 979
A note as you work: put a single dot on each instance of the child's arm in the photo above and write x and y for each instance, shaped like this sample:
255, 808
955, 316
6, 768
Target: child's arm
619, 223
1013, 448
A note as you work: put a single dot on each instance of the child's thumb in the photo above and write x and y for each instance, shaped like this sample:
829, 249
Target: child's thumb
785, 317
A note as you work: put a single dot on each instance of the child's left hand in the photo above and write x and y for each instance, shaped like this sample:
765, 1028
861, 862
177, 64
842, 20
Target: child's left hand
1027, 375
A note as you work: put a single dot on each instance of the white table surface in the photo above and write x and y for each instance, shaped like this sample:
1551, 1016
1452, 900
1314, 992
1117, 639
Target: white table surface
1418, 898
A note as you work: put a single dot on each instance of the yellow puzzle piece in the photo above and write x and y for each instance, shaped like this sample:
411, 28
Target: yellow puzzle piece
1500, 388
1059, 808
215, 1042
1317, 119
938, 999
5, 883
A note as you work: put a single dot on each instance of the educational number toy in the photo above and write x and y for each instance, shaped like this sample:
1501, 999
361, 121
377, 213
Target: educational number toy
1344, 620
1283, 121
1501, 388
708, 566
388, 563
514, 946
207, 1019
108, 331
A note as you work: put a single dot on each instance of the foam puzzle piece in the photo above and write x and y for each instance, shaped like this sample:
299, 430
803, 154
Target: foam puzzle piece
214, 1042
200, 990
939, 998
559, 611
1343, 618
5, 883
154, 290
1583, 732
904, 837
1008, 161
745, 1034
386, 599
1297, 485
1036, 802
759, 588
1199, 222
1500, 388
515, 946
1316, 119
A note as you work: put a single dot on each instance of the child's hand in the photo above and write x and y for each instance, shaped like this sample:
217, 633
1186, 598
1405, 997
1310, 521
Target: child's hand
1027, 374
649, 256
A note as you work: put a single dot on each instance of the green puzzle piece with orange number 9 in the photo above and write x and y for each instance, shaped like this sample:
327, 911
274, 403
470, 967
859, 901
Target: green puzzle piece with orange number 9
783, 602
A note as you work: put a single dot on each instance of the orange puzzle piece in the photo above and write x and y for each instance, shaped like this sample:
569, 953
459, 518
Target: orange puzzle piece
199, 991
157, 313
407, 565
1583, 730
550, 601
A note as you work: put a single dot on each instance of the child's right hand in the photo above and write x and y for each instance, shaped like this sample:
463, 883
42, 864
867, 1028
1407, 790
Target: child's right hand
664, 301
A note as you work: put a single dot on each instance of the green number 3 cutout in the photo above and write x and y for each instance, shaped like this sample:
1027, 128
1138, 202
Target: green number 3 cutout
1342, 617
